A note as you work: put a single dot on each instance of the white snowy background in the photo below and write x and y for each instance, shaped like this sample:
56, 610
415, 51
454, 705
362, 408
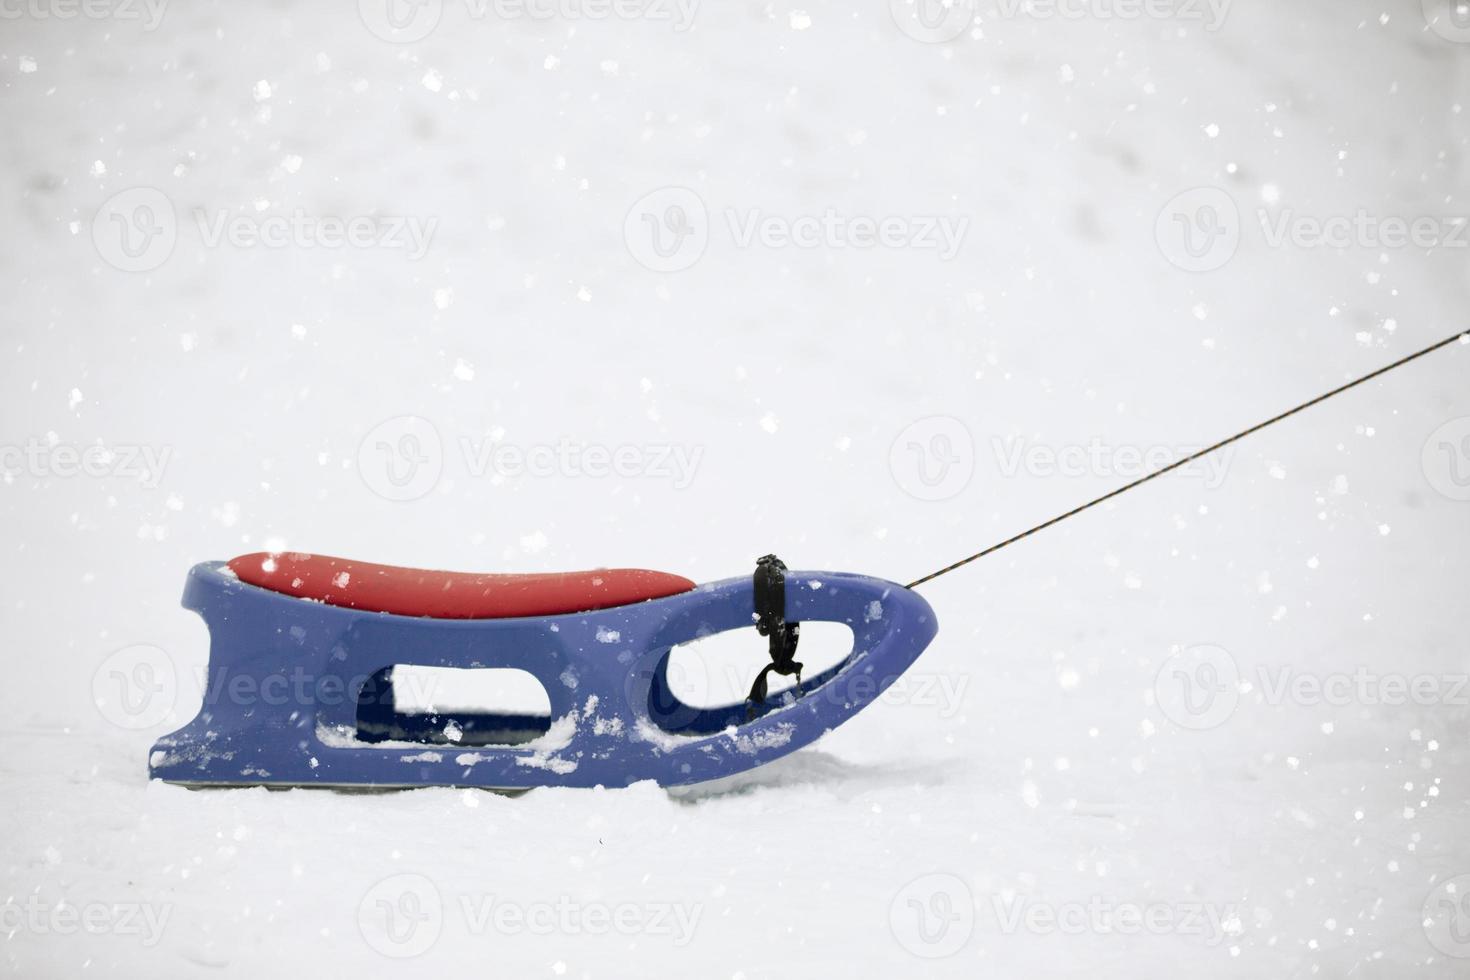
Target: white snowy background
1009, 809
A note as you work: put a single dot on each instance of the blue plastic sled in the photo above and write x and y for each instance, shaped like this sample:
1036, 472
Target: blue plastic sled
300, 692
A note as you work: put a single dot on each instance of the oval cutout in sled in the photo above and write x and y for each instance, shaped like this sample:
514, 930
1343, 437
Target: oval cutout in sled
717, 670
469, 706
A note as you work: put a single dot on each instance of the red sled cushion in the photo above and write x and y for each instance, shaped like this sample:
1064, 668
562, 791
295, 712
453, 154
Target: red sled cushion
450, 595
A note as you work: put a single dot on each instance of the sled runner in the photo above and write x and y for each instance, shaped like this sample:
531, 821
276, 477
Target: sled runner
303, 650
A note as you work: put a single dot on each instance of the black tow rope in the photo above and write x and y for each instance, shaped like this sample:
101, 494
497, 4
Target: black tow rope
1460, 338
770, 620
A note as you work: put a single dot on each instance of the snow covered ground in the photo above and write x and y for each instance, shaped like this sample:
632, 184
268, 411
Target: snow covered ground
868, 286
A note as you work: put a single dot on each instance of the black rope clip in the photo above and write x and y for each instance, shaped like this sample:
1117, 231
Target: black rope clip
770, 620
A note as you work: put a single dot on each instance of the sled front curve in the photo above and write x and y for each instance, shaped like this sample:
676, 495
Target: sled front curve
295, 692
